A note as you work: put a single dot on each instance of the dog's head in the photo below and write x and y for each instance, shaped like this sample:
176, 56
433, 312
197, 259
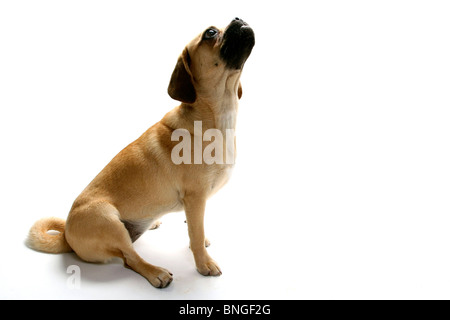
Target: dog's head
211, 64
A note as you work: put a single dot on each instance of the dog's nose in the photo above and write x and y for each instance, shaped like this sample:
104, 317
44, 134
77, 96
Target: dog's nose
239, 20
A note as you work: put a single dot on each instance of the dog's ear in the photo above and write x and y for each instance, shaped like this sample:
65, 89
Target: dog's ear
181, 87
240, 90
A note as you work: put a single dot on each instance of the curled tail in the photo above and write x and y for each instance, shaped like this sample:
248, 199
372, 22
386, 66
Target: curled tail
39, 238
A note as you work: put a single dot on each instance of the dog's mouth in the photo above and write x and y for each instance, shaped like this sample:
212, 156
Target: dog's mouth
237, 44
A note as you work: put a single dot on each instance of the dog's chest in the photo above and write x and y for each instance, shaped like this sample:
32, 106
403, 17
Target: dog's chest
220, 177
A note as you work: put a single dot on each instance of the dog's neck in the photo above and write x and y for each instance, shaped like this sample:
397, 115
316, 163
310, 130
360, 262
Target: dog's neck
225, 113
224, 104
217, 111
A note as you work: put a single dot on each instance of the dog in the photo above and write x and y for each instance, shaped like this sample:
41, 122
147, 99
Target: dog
142, 183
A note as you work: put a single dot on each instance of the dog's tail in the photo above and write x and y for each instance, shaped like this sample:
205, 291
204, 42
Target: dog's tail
41, 240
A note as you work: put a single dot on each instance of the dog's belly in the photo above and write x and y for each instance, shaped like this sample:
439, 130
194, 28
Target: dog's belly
137, 227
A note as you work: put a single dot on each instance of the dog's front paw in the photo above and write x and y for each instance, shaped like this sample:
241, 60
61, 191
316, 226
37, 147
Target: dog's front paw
209, 268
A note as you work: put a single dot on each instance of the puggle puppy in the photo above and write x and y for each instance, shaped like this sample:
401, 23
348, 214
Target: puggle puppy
144, 182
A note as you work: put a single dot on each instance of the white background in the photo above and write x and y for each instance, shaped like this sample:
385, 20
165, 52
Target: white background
342, 182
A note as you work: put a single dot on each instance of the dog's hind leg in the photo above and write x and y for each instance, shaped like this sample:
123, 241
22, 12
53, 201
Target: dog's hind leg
157, 276
96, 234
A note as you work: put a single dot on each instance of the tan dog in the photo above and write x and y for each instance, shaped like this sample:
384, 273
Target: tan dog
142, 183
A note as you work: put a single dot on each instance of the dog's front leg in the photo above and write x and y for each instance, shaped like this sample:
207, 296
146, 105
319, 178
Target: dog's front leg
194, 206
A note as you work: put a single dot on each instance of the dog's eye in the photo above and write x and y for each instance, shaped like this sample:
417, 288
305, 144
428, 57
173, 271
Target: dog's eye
210, 33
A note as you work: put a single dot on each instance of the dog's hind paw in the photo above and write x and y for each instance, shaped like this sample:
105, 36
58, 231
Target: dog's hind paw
155, 225
161, 278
